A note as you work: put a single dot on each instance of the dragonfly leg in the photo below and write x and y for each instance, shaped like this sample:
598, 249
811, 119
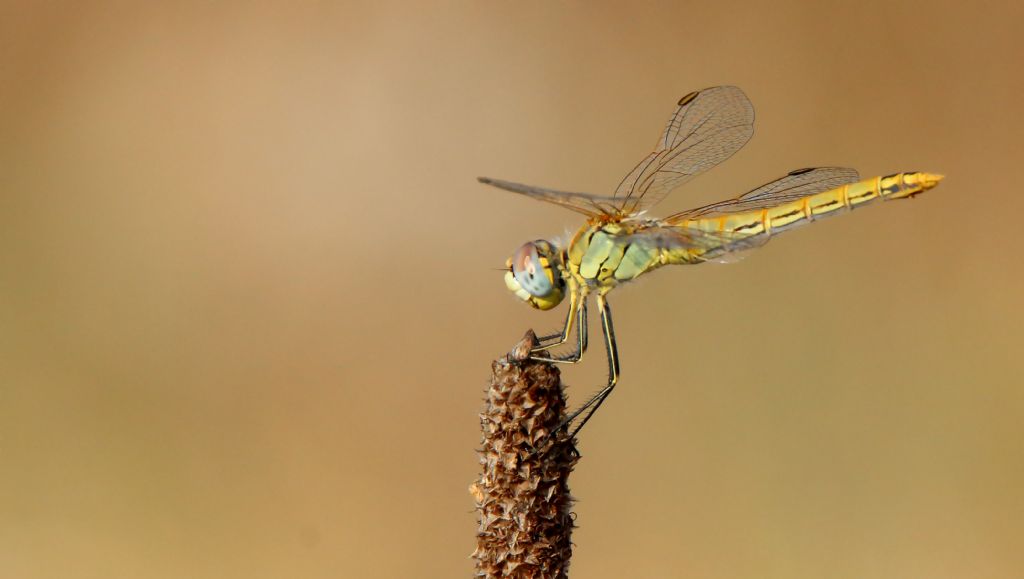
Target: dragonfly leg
563, 336
591, 406
581, 335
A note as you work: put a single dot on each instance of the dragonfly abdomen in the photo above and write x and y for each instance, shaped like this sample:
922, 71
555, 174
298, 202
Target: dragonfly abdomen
771, 220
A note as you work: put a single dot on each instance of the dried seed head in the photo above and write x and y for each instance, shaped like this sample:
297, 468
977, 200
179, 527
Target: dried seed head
522, 496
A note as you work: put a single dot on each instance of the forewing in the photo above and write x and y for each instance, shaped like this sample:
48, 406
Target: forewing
585, 203
707, 128
796, 185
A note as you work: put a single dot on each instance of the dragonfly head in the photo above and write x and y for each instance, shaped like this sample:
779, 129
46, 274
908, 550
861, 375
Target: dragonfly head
535, 276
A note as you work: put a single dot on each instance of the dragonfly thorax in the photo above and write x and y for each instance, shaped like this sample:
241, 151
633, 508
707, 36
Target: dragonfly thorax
535, 274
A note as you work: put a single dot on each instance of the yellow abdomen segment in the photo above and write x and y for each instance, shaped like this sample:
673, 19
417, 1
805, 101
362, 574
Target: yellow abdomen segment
775, 219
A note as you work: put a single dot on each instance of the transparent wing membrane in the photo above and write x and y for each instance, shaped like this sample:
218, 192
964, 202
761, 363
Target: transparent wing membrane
585, 203
719, 246
796, 185
707, 128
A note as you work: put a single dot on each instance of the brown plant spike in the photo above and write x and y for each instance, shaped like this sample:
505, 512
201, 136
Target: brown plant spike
522, 496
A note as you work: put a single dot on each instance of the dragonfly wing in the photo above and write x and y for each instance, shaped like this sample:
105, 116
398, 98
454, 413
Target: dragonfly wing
717, 246
585, 203
796, 185
707, 128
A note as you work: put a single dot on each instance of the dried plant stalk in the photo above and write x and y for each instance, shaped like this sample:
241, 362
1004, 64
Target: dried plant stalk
522, 496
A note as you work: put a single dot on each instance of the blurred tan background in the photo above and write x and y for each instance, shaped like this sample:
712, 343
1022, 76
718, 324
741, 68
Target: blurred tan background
247, 308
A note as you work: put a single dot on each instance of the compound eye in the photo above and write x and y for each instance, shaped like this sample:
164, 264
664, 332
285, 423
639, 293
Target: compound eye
530, 272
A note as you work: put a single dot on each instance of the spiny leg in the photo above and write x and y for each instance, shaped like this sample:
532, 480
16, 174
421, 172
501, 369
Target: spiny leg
591, 406
581, 334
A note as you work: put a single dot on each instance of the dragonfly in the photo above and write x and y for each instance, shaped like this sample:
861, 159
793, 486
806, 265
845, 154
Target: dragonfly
620, 242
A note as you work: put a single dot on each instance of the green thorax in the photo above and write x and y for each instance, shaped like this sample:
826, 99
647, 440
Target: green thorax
605, 254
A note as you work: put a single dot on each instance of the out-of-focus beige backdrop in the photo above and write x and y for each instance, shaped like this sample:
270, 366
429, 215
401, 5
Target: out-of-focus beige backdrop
247, 304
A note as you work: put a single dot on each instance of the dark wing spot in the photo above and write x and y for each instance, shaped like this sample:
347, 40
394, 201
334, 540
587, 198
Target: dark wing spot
801, 171
686, 99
